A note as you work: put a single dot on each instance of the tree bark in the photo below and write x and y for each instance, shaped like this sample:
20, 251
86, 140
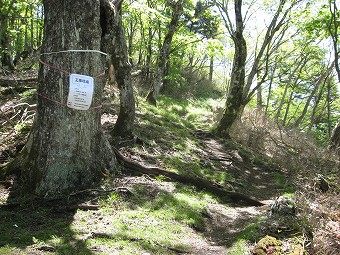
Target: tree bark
335, 139
66, 150
235, 102
333, 29
116, 46
164, 53
5, 41
237, 81
211, 69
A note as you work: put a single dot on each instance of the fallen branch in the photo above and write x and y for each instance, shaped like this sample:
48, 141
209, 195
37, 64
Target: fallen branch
17, 82
196, 181
117, 189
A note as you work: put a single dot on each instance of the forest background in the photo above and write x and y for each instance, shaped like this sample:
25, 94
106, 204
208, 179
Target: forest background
291, 77
269, 72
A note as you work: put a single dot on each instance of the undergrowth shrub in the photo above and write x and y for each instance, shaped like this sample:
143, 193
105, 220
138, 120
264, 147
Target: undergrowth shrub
313, 169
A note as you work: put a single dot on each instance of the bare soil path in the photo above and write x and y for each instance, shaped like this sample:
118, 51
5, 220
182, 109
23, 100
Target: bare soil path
256, 180
224, 222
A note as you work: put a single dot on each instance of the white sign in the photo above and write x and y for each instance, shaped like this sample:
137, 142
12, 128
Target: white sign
80, 92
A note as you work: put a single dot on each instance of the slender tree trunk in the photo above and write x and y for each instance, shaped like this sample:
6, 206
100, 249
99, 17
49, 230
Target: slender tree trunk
66, 150
141, 52
211, 69
296, 71
117, 47
148, 56
41, 26
278, 112
269, 95
285, 116
259, 99
335, 139
32, 29
321, 80
164, 53
333, 29
315, 108
329, 110
5, 42
26, 43
237, 82
270, 86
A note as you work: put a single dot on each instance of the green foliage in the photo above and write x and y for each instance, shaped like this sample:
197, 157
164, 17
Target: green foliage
295, 85
192, 46
23, 25
239, 248
29, 95
318, 21
282, 180
250, 234
204, 21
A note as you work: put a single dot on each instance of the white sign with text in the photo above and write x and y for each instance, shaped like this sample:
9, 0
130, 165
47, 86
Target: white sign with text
80, 92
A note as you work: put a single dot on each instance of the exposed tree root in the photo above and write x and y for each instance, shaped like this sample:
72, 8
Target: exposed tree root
196, 181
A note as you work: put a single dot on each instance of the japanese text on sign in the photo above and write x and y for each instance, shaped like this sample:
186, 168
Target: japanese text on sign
80, 92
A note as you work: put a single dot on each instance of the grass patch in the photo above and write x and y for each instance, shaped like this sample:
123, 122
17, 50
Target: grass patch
169, 130
144, 222
240, 247
251, 232
130, 225
193, 166
184, 205
283, 181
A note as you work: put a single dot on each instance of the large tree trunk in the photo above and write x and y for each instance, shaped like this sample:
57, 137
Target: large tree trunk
164, 53
116, 45
236, 102
66, 150
237, 81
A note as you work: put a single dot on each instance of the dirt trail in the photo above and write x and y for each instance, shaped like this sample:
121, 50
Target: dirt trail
227, 222
224, 222
252, 179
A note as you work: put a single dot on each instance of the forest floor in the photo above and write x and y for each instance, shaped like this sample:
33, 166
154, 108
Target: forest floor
136, 213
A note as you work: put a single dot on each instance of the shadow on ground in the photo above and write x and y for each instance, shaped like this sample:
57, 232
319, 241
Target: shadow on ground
39, 227
252, 176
